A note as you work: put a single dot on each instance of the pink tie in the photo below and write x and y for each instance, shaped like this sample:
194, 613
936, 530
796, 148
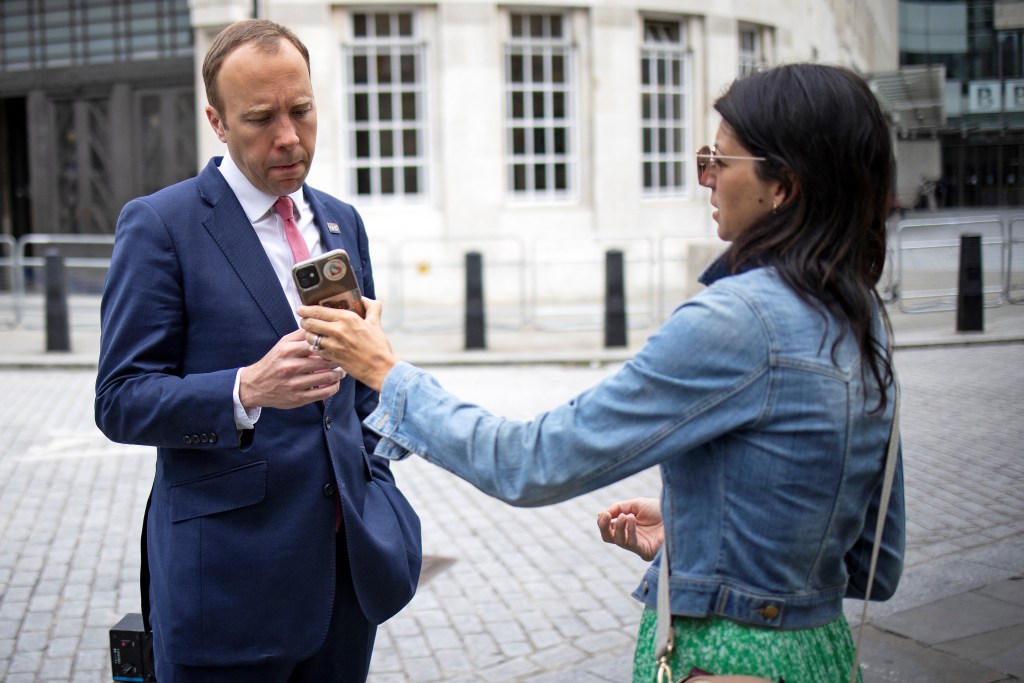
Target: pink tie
300, 252
283, 207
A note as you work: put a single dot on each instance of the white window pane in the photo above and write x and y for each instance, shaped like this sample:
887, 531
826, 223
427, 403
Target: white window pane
386, 106
665, 108
539, 95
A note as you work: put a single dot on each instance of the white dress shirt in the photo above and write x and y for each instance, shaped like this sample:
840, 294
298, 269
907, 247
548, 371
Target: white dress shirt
269, 227
259, 208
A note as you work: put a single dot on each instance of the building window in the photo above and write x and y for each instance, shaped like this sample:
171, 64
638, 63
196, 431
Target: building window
63, 33
540, 88
387, 108
751, 57
665, 107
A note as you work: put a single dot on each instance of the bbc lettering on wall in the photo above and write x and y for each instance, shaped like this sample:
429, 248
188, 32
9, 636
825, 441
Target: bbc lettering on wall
985, 97
1013, 96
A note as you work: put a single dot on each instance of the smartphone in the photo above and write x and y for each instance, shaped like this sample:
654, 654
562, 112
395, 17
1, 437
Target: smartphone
328, 280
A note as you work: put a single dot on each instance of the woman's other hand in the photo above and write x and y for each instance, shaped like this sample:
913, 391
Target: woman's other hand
634, 525
357, 345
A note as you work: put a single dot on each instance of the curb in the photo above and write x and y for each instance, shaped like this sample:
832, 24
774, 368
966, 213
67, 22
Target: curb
62, 360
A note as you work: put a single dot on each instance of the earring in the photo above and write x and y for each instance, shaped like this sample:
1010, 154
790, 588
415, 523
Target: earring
774, 207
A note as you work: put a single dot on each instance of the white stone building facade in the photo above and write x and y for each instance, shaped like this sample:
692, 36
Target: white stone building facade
539, 135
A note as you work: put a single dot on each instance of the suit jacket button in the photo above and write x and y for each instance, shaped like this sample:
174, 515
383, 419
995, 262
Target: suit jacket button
203, 438
187, 440
646, 588
327, 423
328, 490
213, 437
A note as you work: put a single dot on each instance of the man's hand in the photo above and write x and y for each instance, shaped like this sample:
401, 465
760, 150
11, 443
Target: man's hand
635, 525
289, 376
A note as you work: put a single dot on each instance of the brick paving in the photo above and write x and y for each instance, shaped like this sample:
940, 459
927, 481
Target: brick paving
519, 595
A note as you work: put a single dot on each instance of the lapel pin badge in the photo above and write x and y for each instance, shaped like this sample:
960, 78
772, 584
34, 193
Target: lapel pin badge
333, 228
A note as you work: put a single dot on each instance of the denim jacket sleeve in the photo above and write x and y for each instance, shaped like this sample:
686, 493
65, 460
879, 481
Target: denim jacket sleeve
704, 373
890, 550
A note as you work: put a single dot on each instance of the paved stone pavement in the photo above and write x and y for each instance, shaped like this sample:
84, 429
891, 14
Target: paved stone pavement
531, 595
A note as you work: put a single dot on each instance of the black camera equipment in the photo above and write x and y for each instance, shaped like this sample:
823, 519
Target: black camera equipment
131, 651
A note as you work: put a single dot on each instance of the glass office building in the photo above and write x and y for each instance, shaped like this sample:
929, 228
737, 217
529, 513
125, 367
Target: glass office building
980, 43
97, 106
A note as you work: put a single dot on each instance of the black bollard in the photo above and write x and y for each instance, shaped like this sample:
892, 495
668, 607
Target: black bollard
475, 323
969, 300
614, 299
57, 335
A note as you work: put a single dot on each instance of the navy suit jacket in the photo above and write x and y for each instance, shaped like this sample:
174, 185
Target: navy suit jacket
241, 525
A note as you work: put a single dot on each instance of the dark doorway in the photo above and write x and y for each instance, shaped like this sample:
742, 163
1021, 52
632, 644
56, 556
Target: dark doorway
982, 170
15, 200
94, 150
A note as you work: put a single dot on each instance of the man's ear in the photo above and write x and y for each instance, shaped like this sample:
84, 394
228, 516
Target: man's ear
216, 123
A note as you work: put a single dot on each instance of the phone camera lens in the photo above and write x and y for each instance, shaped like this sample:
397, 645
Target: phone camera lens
308, 277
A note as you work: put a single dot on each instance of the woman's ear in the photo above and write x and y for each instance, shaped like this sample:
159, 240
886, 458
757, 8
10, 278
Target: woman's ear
786, 190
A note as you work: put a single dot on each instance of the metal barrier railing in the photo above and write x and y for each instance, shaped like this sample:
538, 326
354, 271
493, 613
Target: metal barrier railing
8, 261
549, 266
437, 266
23, 261
422, 279
1014, 238
671, 291
993, 233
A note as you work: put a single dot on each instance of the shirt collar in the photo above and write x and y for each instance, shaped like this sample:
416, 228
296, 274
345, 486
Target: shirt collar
255, 202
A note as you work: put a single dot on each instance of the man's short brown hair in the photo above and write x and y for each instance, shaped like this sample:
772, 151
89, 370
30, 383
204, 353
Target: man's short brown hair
264, 34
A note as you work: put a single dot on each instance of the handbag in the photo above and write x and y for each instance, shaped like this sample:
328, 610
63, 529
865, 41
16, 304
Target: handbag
664, 635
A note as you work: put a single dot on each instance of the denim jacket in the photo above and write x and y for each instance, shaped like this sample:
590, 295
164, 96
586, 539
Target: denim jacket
771, 452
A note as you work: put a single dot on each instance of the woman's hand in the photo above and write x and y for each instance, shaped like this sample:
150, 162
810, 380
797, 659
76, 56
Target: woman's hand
635, 525
358, 346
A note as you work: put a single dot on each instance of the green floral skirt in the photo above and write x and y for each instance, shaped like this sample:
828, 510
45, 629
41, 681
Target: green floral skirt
823, 654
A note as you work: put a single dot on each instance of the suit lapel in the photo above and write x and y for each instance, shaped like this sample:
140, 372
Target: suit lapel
231, 230
329, 226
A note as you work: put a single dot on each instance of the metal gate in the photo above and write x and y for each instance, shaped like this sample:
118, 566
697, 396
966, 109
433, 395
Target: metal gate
99, 151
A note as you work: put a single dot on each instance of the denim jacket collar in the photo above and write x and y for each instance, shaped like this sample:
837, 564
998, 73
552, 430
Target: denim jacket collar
720, 268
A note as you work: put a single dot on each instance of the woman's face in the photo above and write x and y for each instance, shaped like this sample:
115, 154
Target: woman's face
739, 196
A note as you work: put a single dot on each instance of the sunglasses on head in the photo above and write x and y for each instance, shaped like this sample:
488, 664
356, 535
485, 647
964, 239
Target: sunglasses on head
707, 160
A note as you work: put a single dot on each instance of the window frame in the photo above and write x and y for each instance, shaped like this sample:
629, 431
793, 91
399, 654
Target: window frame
749, 61
666, 110
555, 130
380, 167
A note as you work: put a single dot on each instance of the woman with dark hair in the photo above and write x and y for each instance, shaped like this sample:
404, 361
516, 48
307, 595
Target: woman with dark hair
766, 400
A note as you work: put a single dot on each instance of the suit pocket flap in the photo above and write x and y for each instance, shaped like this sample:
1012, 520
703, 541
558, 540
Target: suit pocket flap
219, 492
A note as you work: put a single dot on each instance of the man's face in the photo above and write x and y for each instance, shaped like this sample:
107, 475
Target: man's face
268, 120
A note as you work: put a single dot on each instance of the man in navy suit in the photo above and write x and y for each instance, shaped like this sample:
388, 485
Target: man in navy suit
274, 541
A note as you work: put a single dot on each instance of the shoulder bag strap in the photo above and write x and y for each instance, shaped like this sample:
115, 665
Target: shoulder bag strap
883, 508
664, 635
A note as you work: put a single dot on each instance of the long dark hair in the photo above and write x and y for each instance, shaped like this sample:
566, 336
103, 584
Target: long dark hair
825, 138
